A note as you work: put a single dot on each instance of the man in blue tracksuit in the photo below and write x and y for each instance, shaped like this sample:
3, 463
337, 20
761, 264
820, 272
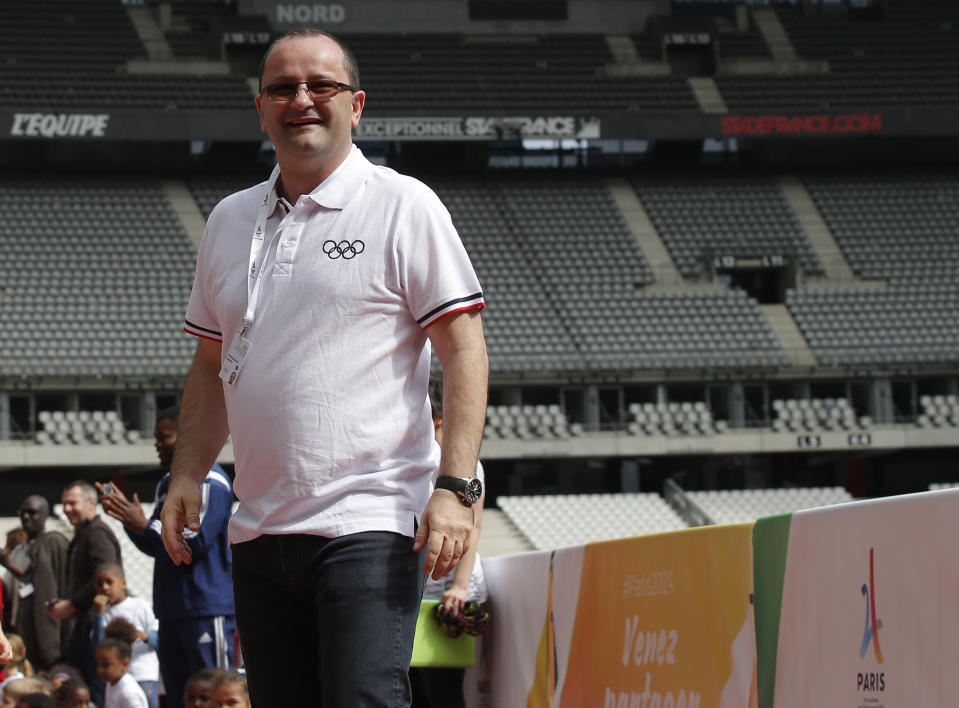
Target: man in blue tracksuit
194, 603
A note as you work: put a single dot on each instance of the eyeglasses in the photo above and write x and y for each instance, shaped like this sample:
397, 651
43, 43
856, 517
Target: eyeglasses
319, 90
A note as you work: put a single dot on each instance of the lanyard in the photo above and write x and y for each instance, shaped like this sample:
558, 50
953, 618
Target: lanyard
257, 242
236, 354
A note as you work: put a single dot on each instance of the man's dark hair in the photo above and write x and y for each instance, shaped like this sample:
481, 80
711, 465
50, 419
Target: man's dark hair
171, 414
349, 60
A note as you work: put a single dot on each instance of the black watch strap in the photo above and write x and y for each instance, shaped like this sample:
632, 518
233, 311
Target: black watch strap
468, 489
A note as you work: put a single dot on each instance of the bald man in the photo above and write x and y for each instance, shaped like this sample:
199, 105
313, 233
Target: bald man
43, 579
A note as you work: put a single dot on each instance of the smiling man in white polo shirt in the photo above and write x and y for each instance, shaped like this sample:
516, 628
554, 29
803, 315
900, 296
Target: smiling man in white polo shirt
316, 299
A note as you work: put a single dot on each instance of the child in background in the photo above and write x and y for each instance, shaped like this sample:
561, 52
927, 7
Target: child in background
113, 659
17, 688
59, 674
231, 691
73, 693
18, 667
36, 700
199, 688
111, 604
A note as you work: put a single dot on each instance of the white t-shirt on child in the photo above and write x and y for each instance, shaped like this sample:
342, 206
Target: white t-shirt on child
125, 693
144, 663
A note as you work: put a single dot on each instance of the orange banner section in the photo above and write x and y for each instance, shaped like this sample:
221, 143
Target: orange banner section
665, 621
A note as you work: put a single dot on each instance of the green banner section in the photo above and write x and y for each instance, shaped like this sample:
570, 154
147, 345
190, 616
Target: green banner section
770, 541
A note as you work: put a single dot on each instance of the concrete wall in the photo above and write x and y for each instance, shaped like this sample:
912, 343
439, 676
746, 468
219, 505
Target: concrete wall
449, 16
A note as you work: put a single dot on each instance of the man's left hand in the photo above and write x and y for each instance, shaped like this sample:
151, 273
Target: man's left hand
61, 609
6, 651
444, 531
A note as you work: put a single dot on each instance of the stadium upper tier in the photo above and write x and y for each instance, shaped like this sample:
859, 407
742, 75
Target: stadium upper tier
98, 272
83, 48
95, 278
909, 58
896, 227
700, 216
429, 75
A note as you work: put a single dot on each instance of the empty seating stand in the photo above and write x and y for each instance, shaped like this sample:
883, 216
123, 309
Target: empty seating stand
81, 47
734, 506
816, 414
672, 419
554, 521
83, 427
940, 411
97, 276
909, 58
897, 227
700, 216
528, 422
504, 75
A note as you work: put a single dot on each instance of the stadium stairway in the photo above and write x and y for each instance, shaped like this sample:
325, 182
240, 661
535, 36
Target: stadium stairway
628, 61
787, 332
149, 32
186, 208
707, 94
650, 243
500, 537
774, 34
816, 231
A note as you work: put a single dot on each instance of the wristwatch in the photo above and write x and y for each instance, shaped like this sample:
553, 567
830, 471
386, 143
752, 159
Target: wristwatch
468, 489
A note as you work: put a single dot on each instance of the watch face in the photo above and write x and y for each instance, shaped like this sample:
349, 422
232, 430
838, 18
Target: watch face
474, 490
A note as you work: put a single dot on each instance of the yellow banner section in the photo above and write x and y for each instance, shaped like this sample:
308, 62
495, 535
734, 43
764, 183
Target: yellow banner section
665, 621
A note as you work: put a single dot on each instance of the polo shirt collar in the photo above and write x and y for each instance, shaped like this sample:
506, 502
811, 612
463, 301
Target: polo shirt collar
336, 191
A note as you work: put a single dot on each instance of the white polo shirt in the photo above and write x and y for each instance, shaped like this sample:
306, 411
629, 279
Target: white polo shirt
329, 415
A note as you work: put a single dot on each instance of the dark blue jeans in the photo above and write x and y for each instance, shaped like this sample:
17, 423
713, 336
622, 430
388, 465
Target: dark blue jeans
327, 621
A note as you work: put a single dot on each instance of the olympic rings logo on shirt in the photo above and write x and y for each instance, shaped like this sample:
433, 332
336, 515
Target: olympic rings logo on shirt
344, 249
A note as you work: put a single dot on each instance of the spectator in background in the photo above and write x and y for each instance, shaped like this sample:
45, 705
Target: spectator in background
200, 687
14, 690
194, 603
42, 578
131, 619
72, 693
17, 666
231, 691
6, 651
36, 700
15, 555
113, 662
442, 687
93, 545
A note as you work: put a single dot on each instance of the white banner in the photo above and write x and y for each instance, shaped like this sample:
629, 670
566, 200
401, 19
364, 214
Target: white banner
870, 608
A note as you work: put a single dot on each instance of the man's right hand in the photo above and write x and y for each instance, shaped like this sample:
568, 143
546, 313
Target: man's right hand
181, 508
129, 513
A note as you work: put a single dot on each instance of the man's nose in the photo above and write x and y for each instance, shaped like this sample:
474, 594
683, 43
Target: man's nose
303, 96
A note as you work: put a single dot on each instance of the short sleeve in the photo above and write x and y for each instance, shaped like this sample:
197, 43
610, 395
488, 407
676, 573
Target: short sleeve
433, 267
200, 320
